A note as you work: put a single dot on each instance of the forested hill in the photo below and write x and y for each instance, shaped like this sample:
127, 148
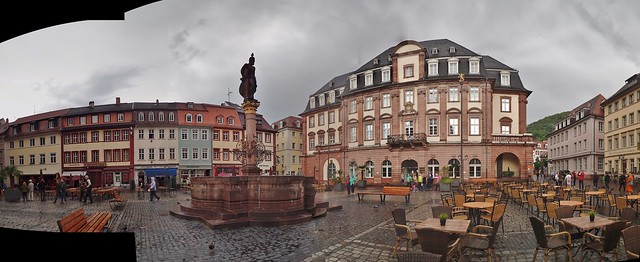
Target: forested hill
541, 128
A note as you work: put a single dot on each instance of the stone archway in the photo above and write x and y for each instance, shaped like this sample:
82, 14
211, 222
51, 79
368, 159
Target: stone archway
507, 162
409, 166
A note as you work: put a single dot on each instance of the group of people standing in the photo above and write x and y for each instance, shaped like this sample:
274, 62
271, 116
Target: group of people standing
625, 181
28, 190
418, 182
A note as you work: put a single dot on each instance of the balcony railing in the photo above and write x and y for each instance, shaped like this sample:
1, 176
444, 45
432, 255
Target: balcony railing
512, 139
418, 139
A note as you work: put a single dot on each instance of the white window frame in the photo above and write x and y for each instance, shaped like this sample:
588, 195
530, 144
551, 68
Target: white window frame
453, 126
386, 130
433, 126
408, 128
453, 66
368, 132
353, 106
332, 97
353, 82
505, 78
386, 100
474, 126
408, 96
432, 67
353, 134
368, 78
474, 94
312, 102
474, 66
386, 74
433, 95
368, 103
454, 94
321, 100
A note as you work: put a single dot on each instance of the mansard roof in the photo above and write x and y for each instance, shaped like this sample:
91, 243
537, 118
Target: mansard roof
631, 83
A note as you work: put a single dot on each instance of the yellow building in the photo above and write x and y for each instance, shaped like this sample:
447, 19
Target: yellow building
622, 119
288, 146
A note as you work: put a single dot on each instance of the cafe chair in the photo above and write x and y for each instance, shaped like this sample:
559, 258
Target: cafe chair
541, 208
631, 237
551, 212
627, 214
552, 242
490, 218
418, 256
481, 238
404, 231
431, 241
612, 203
605, 244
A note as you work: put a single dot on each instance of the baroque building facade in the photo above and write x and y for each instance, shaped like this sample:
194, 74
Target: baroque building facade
577, 142
622, 119
419, 107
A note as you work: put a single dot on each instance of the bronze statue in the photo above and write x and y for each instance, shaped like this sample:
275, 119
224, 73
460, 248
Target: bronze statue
248, 85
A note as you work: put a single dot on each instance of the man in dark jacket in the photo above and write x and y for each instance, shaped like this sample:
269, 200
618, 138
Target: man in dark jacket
622, 180
42, 186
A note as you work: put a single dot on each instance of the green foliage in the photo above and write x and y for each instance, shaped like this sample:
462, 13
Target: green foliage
9, 171
541, 128
443, 216
508, 173
592, 213
445, 175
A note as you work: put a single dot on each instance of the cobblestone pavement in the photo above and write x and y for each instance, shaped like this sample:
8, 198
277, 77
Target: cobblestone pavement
360, 231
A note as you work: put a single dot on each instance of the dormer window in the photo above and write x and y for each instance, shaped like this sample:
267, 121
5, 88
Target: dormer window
368, 78
389, 58
230, 120
281, 124
505, 79
452, 50
312, 102
386, 74
332, 96
434, 51
189, 118
376, 61
353, 82
199, 118
408, 71
321, 99
474, 66
433, 67
453, 66
220, 120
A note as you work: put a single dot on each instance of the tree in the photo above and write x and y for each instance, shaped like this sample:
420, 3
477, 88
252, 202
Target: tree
9, 171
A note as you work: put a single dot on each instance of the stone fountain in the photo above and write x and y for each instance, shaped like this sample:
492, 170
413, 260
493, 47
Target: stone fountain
251, 199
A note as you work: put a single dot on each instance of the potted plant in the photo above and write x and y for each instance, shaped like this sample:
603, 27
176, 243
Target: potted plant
508, 173
362, 182
12, 194
338, 183
443, 219
592, 215
445, 179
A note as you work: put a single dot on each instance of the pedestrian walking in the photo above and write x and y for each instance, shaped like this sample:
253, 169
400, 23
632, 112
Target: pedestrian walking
25, 190
430, 181
88, 188
351, 186
63, 191
622, 181
581, 180
629, 184
606, 180
83, 189
419, 183
152, 189
42, 187
436, 181
31, 189
408, 180
574, 177
595, 179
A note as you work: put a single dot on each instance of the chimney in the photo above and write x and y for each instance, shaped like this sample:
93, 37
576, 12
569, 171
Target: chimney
91, 104
117, 100
157, 101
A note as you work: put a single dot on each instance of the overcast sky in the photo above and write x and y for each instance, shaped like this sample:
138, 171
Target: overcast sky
567, 52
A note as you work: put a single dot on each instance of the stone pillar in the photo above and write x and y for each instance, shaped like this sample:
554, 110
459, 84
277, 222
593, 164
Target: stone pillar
250, 106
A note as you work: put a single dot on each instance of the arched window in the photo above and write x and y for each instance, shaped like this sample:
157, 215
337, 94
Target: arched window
433, 167
331, 169
368, 170
474, 168
151, 116
189, 118
172, 117
455, 168
140, 116
161, 116
199, 118
386, 169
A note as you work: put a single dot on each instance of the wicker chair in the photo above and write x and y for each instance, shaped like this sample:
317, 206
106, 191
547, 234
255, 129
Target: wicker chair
431, 241
541, 208
477, 241
607, 243
551, 212
404, 232
550, 242
418, 256
495, 216
631, 237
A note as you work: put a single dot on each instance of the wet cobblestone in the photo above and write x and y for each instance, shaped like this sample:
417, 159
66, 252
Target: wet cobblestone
360, 231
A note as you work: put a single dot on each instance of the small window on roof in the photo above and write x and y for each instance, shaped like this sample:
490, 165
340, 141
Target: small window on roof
434, 51
376, 61
389, 58
452, 49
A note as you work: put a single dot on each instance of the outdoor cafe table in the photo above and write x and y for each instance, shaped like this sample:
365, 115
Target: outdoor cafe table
591, 194
571, 203
584, 224
633, 200
453, 226
474, 210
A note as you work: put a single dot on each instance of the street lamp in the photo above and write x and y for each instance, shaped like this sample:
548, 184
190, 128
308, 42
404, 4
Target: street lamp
461, 80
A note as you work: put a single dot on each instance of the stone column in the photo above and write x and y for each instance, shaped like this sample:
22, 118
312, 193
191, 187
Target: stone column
250, 107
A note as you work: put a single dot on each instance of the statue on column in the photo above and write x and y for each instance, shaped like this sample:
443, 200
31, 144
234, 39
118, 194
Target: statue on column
248, 85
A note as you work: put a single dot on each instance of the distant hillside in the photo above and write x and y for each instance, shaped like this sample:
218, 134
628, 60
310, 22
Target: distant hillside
541, 128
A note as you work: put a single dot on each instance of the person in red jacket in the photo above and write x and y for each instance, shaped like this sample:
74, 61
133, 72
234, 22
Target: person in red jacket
581, 179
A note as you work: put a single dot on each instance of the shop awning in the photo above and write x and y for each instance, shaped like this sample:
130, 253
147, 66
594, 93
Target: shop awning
154, 172
74, 173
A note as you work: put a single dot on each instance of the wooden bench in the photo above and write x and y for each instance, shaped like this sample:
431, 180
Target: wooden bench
78, 221
388, 191
118, 201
